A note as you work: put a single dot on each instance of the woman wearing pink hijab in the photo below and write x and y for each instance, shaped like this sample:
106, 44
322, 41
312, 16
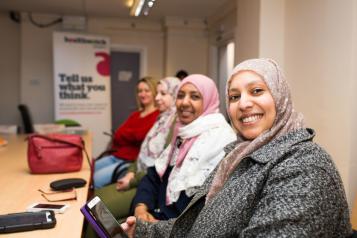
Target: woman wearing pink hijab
194, 152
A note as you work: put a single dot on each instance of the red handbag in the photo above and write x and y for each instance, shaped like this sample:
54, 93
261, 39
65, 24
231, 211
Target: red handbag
55, 153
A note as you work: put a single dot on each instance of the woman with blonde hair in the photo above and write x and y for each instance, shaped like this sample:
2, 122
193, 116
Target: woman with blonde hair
118, 196
129, 136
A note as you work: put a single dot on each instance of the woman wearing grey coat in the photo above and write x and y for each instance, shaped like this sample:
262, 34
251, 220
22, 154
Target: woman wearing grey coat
274, 182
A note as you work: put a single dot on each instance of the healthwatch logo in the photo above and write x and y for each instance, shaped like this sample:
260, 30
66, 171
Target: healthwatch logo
82, 40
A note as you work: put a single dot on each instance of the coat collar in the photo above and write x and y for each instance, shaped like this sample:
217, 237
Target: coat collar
277, 147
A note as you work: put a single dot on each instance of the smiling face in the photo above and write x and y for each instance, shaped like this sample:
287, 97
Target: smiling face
250, 104
163, 99
189, 103
145, 95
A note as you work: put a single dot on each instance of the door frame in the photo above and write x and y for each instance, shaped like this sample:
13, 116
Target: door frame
137, 49
221, 68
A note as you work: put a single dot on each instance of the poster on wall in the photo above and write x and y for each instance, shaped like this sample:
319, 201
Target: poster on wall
82, 83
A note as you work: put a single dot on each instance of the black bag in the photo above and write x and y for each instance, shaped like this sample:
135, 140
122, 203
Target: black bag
64, 184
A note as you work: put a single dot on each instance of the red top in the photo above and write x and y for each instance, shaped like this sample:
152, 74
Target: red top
129, 136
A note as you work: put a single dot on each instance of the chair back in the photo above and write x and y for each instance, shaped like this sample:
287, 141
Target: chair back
26, 119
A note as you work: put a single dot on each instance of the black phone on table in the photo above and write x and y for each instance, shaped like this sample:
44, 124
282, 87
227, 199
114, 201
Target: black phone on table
26, 221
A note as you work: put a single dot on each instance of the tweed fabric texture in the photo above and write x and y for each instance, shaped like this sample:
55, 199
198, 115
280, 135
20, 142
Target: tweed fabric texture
287, 188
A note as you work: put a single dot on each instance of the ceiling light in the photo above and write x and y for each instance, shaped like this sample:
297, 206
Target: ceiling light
141, 7
129, 3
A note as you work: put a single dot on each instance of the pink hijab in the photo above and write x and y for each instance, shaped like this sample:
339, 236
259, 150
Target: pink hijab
209, 93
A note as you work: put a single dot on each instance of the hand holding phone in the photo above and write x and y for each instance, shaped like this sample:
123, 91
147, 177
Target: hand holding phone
57, 208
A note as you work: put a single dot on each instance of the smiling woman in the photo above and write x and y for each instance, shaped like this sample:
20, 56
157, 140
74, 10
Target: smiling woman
251, 104
129, 136
189, 103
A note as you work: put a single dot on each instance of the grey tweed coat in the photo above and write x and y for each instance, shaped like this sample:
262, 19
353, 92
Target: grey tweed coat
288, 188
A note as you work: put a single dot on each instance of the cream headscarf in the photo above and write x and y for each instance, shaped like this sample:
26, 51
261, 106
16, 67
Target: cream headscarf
155, 140
287, 119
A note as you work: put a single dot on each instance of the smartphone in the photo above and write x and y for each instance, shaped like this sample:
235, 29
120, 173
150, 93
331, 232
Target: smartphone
57, 208
26, 221
104, 218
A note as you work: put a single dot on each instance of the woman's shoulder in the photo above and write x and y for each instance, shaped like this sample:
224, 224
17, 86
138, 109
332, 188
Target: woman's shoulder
134, 114
293, 151
137, 115
154, 114
308, 151
308, 157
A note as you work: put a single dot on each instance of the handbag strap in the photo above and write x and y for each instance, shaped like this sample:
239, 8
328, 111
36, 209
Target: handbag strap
82, 147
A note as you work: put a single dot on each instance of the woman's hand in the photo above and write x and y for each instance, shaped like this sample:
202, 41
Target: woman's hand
129, 226
124, 182
141, 212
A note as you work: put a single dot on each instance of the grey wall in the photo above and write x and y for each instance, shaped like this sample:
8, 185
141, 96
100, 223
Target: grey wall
9, 70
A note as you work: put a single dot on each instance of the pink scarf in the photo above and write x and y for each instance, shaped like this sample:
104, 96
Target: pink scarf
208, 90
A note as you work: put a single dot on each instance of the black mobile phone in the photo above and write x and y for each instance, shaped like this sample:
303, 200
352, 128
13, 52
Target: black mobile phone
26, 221
105, 218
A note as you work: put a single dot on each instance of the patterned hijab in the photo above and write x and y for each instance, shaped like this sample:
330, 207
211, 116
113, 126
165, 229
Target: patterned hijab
155, 140
286, 120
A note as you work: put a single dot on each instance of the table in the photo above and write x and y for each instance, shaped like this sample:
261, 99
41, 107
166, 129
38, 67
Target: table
18, 189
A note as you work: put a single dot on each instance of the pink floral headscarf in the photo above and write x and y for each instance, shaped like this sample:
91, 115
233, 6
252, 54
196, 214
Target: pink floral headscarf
287, 119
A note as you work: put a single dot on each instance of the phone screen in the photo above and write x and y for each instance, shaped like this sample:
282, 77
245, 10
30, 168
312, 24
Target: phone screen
107, 220
49, 206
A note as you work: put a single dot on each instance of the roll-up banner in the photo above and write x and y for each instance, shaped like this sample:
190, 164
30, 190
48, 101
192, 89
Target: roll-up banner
82, 83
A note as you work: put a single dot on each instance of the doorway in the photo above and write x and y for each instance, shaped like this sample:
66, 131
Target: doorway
124, 73
225, 64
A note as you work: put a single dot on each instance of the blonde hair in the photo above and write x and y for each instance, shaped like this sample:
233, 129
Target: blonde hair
152, 83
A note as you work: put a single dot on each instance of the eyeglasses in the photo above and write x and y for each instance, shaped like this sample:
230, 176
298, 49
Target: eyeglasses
57, 196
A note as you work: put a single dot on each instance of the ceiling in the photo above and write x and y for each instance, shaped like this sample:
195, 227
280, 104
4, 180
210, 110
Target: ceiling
114, 8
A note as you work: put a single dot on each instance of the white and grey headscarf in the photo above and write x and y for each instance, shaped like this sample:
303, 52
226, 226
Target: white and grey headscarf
287, 119
155, 139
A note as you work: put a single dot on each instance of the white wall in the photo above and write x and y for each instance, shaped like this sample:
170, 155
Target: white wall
319, 39
271, 30
186, 46
28, 70
247, 31
315, 42
37, 88
9, 70
353, 71
144, 34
